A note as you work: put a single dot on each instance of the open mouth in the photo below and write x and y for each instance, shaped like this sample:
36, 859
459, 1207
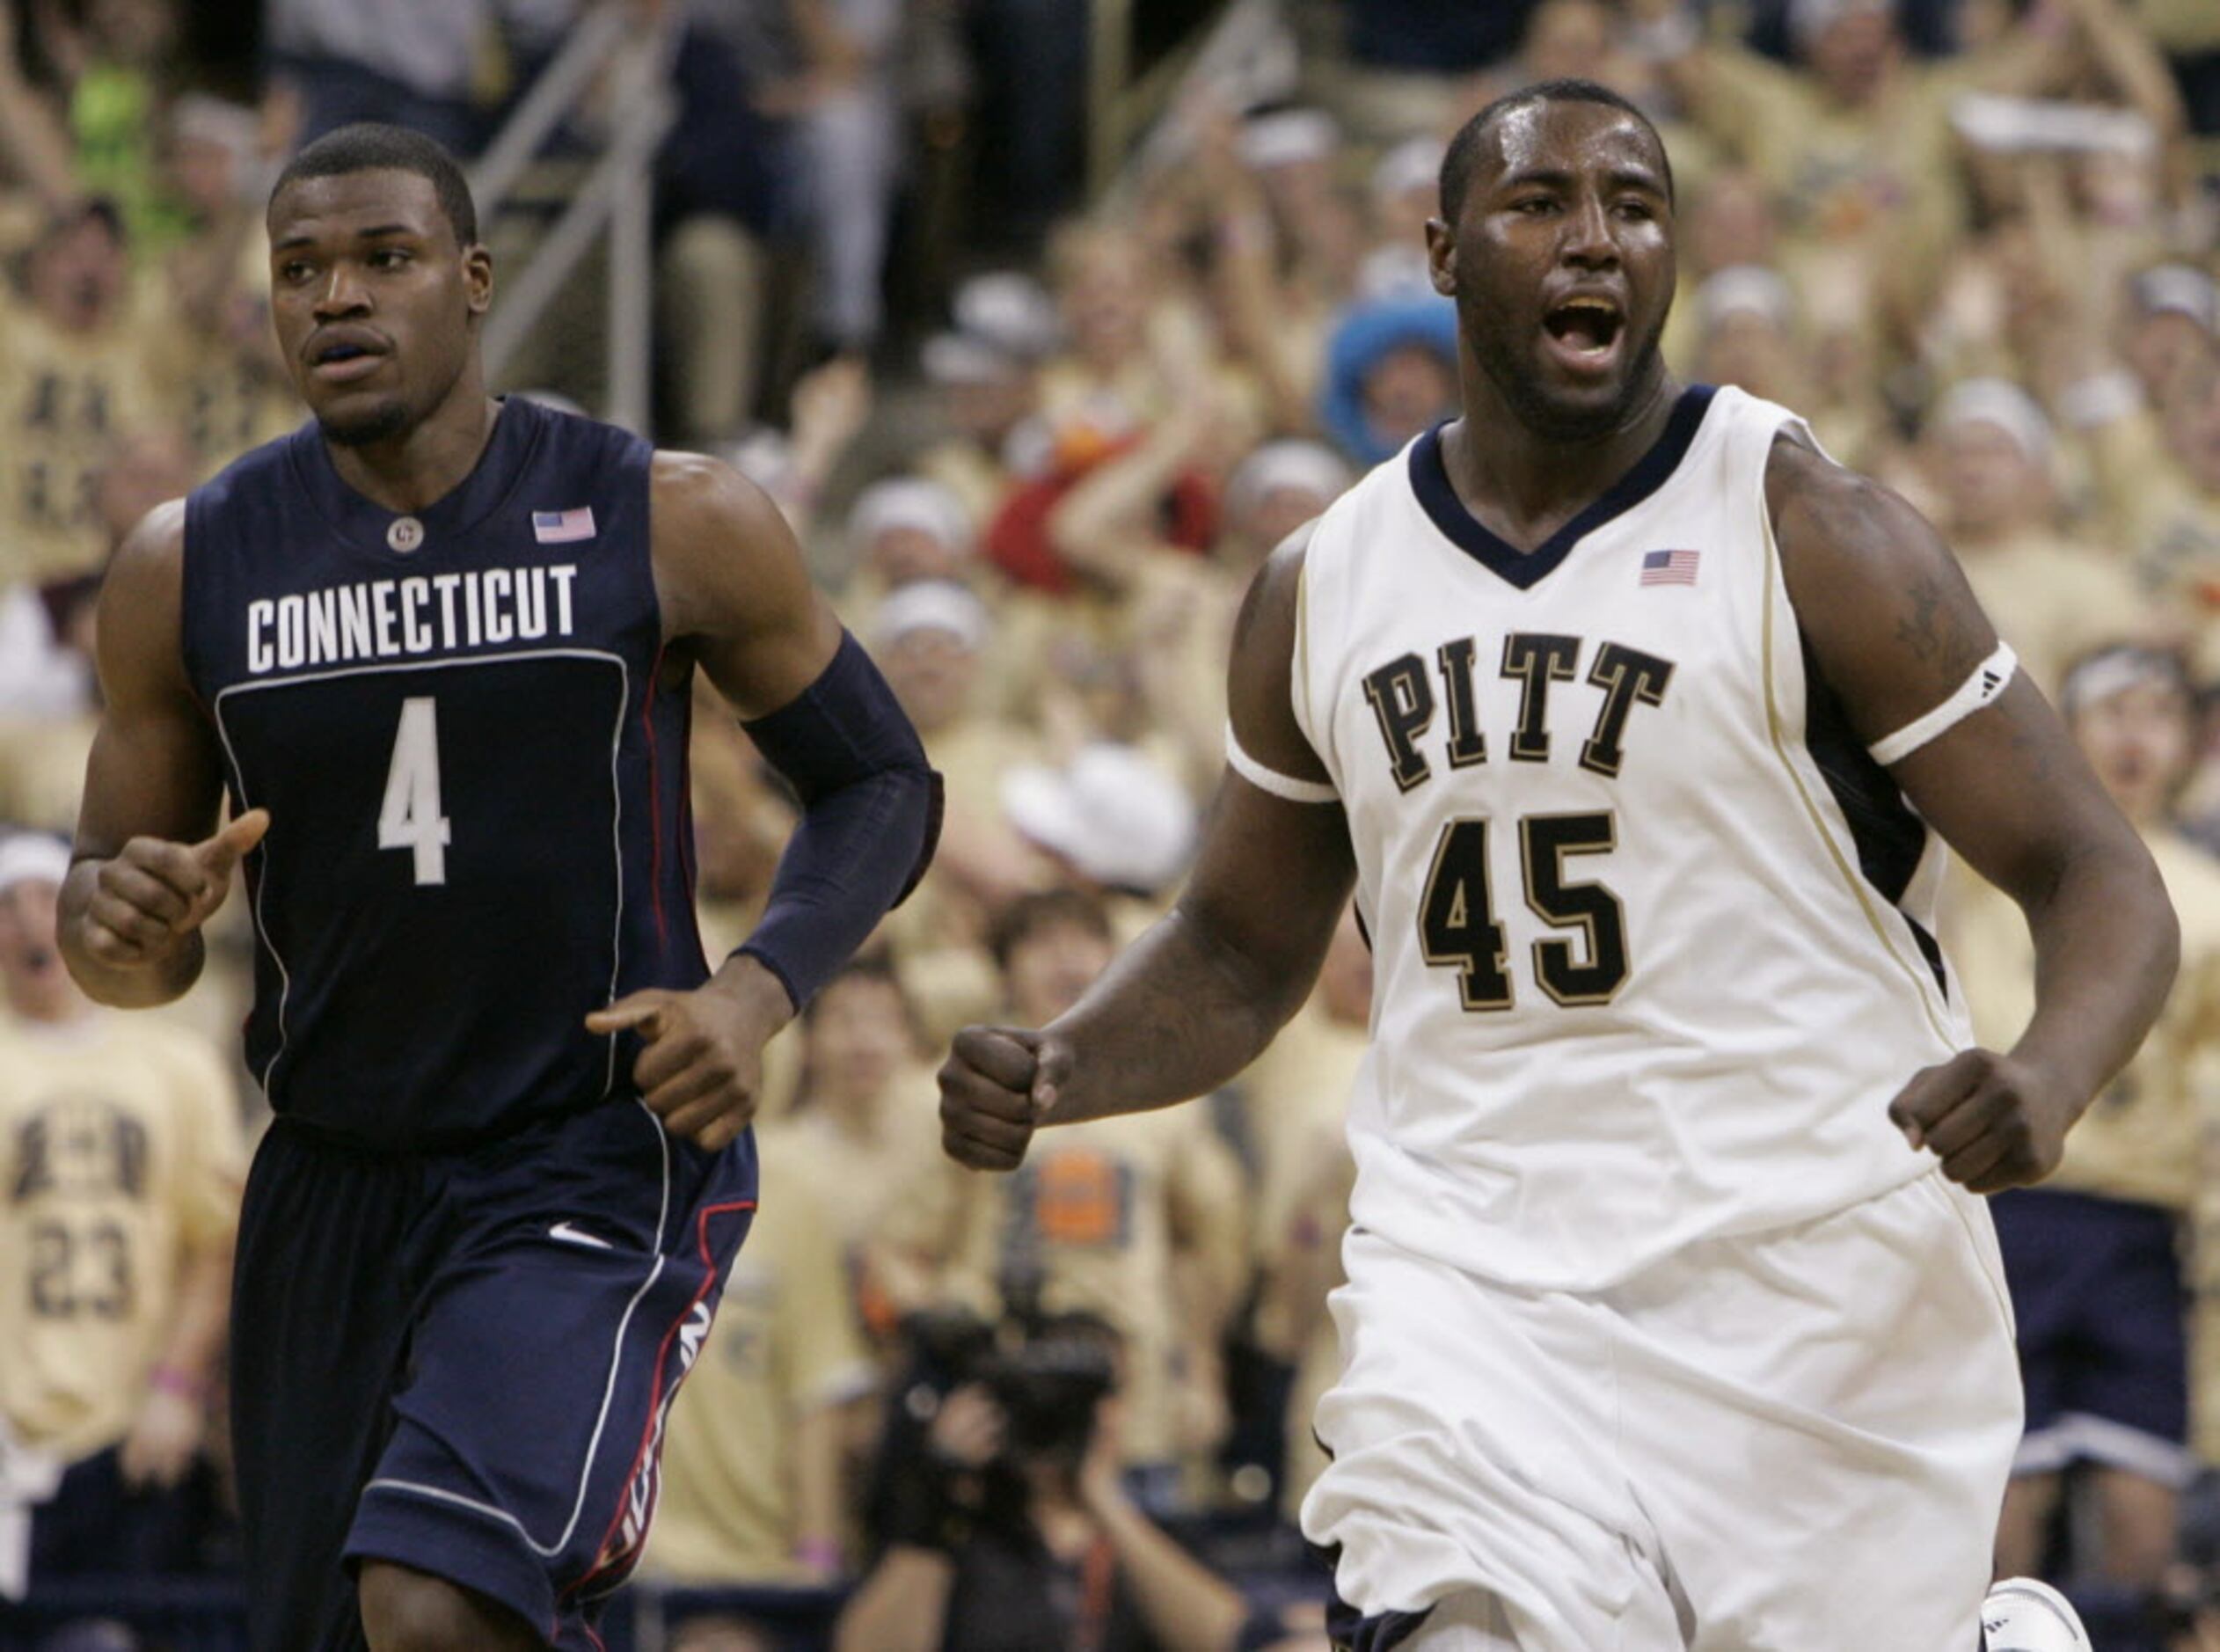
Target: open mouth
1585, 331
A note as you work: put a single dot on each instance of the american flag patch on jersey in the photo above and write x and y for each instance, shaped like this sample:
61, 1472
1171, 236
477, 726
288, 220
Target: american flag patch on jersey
1668, 567
564, 526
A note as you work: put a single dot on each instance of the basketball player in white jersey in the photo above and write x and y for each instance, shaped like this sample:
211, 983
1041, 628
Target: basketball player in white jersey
1674, 1319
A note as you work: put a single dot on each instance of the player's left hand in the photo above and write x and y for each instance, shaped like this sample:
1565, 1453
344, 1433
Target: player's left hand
162, 1439
701, 1060
1995, 1123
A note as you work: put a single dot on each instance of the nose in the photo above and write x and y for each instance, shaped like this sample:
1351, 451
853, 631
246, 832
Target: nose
1587, 235
343, 295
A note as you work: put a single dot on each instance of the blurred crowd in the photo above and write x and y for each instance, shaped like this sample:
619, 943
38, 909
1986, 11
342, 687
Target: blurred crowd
1036, 433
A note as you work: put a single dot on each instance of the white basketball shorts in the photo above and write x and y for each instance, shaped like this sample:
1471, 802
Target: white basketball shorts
1795, 1440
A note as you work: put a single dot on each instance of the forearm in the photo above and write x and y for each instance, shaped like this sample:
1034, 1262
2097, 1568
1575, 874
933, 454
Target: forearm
903, 1605
871, 814
1187, 1608
1180, 1013
2106, 946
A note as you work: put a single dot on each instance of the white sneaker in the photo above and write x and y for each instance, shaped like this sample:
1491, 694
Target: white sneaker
2022, 1615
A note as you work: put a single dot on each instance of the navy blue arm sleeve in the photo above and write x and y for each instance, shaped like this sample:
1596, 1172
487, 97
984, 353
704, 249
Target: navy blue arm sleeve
870, 815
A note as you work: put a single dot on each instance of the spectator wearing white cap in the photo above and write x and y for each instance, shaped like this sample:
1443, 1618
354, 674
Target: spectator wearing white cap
1294, 155
1274, 491
1404, 191
1746, 329
2172, 316
1990, 454
121, 1161
905, 529
932, 638
1114, 821
985, 374
2156, 466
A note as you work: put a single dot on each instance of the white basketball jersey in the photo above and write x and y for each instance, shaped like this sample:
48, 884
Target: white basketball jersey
1652, 932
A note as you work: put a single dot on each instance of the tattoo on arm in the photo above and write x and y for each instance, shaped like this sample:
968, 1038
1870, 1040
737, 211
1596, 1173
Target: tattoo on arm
1936, 635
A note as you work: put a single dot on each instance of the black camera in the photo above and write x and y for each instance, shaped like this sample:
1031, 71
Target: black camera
1046, 1371
1049, 1383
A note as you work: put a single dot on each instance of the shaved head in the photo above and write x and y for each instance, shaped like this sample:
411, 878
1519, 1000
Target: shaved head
1475, 138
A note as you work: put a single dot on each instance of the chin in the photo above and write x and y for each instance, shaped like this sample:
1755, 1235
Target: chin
357, 427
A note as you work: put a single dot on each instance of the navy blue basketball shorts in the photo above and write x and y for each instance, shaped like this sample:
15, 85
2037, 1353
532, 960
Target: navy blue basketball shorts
2097, 1288
462, 1362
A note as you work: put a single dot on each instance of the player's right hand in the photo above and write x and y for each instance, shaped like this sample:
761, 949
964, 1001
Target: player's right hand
155, 893
996, 1086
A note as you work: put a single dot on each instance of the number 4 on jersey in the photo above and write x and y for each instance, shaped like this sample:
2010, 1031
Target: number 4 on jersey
411, 817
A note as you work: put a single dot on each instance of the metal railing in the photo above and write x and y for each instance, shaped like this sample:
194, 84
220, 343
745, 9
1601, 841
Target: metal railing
617, 60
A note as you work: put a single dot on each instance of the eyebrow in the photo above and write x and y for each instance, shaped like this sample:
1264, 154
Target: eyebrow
376, 231
1557, 178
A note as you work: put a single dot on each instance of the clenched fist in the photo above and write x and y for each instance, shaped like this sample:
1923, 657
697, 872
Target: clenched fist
155, 894
995, 1087
1995, 1123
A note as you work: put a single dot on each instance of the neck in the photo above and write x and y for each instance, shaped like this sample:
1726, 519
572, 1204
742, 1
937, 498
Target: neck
1524, 484
427, 461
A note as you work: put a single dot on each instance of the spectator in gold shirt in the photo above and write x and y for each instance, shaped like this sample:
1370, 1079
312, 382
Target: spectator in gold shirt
120, 1173
74, 345
1991, 453
2092, 1255
1138, 1220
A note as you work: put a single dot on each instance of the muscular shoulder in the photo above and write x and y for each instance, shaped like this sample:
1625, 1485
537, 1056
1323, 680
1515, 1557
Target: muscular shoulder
154, 548
691, 492
715, 535
1276, 593
1877, 593
142, 603
1259, 687
1819, 508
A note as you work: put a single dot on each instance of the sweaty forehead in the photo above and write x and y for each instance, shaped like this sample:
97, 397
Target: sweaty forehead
1563, 137
375, 196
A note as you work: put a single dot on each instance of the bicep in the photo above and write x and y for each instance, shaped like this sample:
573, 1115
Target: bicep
2010, 791
734, 589
1897, 632
154, 769
1271, 874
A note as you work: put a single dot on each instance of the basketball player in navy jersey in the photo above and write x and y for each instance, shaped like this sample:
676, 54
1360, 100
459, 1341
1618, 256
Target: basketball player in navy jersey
1672, 1318
437, 649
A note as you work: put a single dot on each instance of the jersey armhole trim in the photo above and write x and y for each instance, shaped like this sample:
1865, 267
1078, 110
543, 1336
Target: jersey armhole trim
1982, 686
1285, 786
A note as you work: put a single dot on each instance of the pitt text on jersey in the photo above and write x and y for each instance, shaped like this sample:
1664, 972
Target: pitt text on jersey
398, 619
1403, 700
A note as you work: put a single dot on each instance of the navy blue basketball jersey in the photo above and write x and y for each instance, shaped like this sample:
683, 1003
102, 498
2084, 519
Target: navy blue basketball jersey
479, 820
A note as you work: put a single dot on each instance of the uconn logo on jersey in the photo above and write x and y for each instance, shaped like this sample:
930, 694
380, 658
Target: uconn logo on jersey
423, 614
1404, 705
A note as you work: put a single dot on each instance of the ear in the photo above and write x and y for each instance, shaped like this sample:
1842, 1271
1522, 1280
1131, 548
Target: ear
478, 277
1440, 257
